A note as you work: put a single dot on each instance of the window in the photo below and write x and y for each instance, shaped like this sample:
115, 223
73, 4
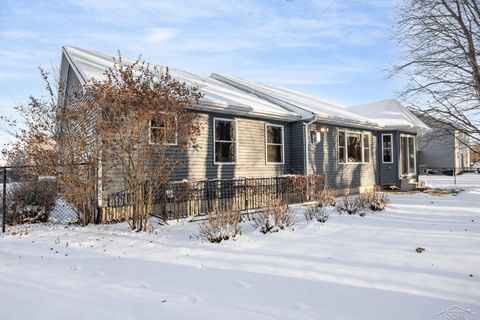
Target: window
163, 131
342, 147
225, 144
274, 141
366, 148
353, 147
387, 148
407, 154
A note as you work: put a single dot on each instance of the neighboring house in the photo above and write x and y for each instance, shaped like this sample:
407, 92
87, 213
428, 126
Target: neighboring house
278, 131
444, 148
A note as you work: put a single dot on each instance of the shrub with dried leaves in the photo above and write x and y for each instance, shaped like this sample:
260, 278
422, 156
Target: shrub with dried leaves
375, 201
221, 225
351, 205
276, 217
31, 201
327, 198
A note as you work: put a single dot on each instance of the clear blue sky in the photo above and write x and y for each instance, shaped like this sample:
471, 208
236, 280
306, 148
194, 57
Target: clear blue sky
338, 50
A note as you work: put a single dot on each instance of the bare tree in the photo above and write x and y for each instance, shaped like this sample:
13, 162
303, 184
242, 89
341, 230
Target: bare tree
142, 119
441, 39
41, 148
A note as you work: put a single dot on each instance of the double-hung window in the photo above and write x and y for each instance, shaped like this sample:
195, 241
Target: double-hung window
163, 131
274, 141
225, 140
387, 148
354, 147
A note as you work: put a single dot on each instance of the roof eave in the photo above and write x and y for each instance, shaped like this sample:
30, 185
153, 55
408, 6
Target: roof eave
245, 111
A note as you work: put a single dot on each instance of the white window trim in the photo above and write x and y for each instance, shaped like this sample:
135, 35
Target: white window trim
415, 153
150, 127
235, 142
391, 148
362, 133
276, 144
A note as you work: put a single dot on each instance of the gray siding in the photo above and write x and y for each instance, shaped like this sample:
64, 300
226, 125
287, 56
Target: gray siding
323, 159
297, 148
251, 151
437, 150
198, 164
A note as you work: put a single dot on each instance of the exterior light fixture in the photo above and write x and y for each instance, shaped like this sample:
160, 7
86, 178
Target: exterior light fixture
323, 129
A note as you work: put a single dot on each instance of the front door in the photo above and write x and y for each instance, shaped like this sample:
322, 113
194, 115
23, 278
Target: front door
408, 155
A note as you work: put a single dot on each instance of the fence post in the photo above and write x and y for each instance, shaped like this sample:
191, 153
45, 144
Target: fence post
276, 187
245, 191
4, 206
454, 176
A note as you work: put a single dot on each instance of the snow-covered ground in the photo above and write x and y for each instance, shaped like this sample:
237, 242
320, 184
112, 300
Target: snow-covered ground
352, 267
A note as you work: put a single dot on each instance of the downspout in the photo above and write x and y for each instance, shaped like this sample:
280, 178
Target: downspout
305, 125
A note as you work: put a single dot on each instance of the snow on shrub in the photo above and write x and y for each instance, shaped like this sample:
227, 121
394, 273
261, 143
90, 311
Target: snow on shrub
221, 225
31, 201
319, 213
327, 198
351, 205
375, 201
274, 218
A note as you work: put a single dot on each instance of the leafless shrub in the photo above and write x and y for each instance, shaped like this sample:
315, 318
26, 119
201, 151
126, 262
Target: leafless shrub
276, 217
351, 205
327, 198
375, 201
31, 201
319, 213
221, 225
309, 213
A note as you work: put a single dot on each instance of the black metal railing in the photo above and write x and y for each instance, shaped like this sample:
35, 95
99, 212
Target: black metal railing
189, 198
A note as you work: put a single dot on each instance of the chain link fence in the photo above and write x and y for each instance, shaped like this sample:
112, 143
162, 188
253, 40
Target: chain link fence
34, 198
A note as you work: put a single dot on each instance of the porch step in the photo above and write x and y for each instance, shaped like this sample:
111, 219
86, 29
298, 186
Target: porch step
412, 185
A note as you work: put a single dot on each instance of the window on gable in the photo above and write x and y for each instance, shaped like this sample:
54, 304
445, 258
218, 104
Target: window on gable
163, 131
353, 147
274, 143
225, 141
387, 148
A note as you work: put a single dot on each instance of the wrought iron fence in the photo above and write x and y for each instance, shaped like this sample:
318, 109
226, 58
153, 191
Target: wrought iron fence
190, 198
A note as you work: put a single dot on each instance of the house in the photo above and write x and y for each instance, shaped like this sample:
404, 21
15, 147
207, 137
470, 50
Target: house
278, 131
444, 149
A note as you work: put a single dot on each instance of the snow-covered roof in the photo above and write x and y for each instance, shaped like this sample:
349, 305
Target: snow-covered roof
234, 95
305, 105
392, 114
218, 96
